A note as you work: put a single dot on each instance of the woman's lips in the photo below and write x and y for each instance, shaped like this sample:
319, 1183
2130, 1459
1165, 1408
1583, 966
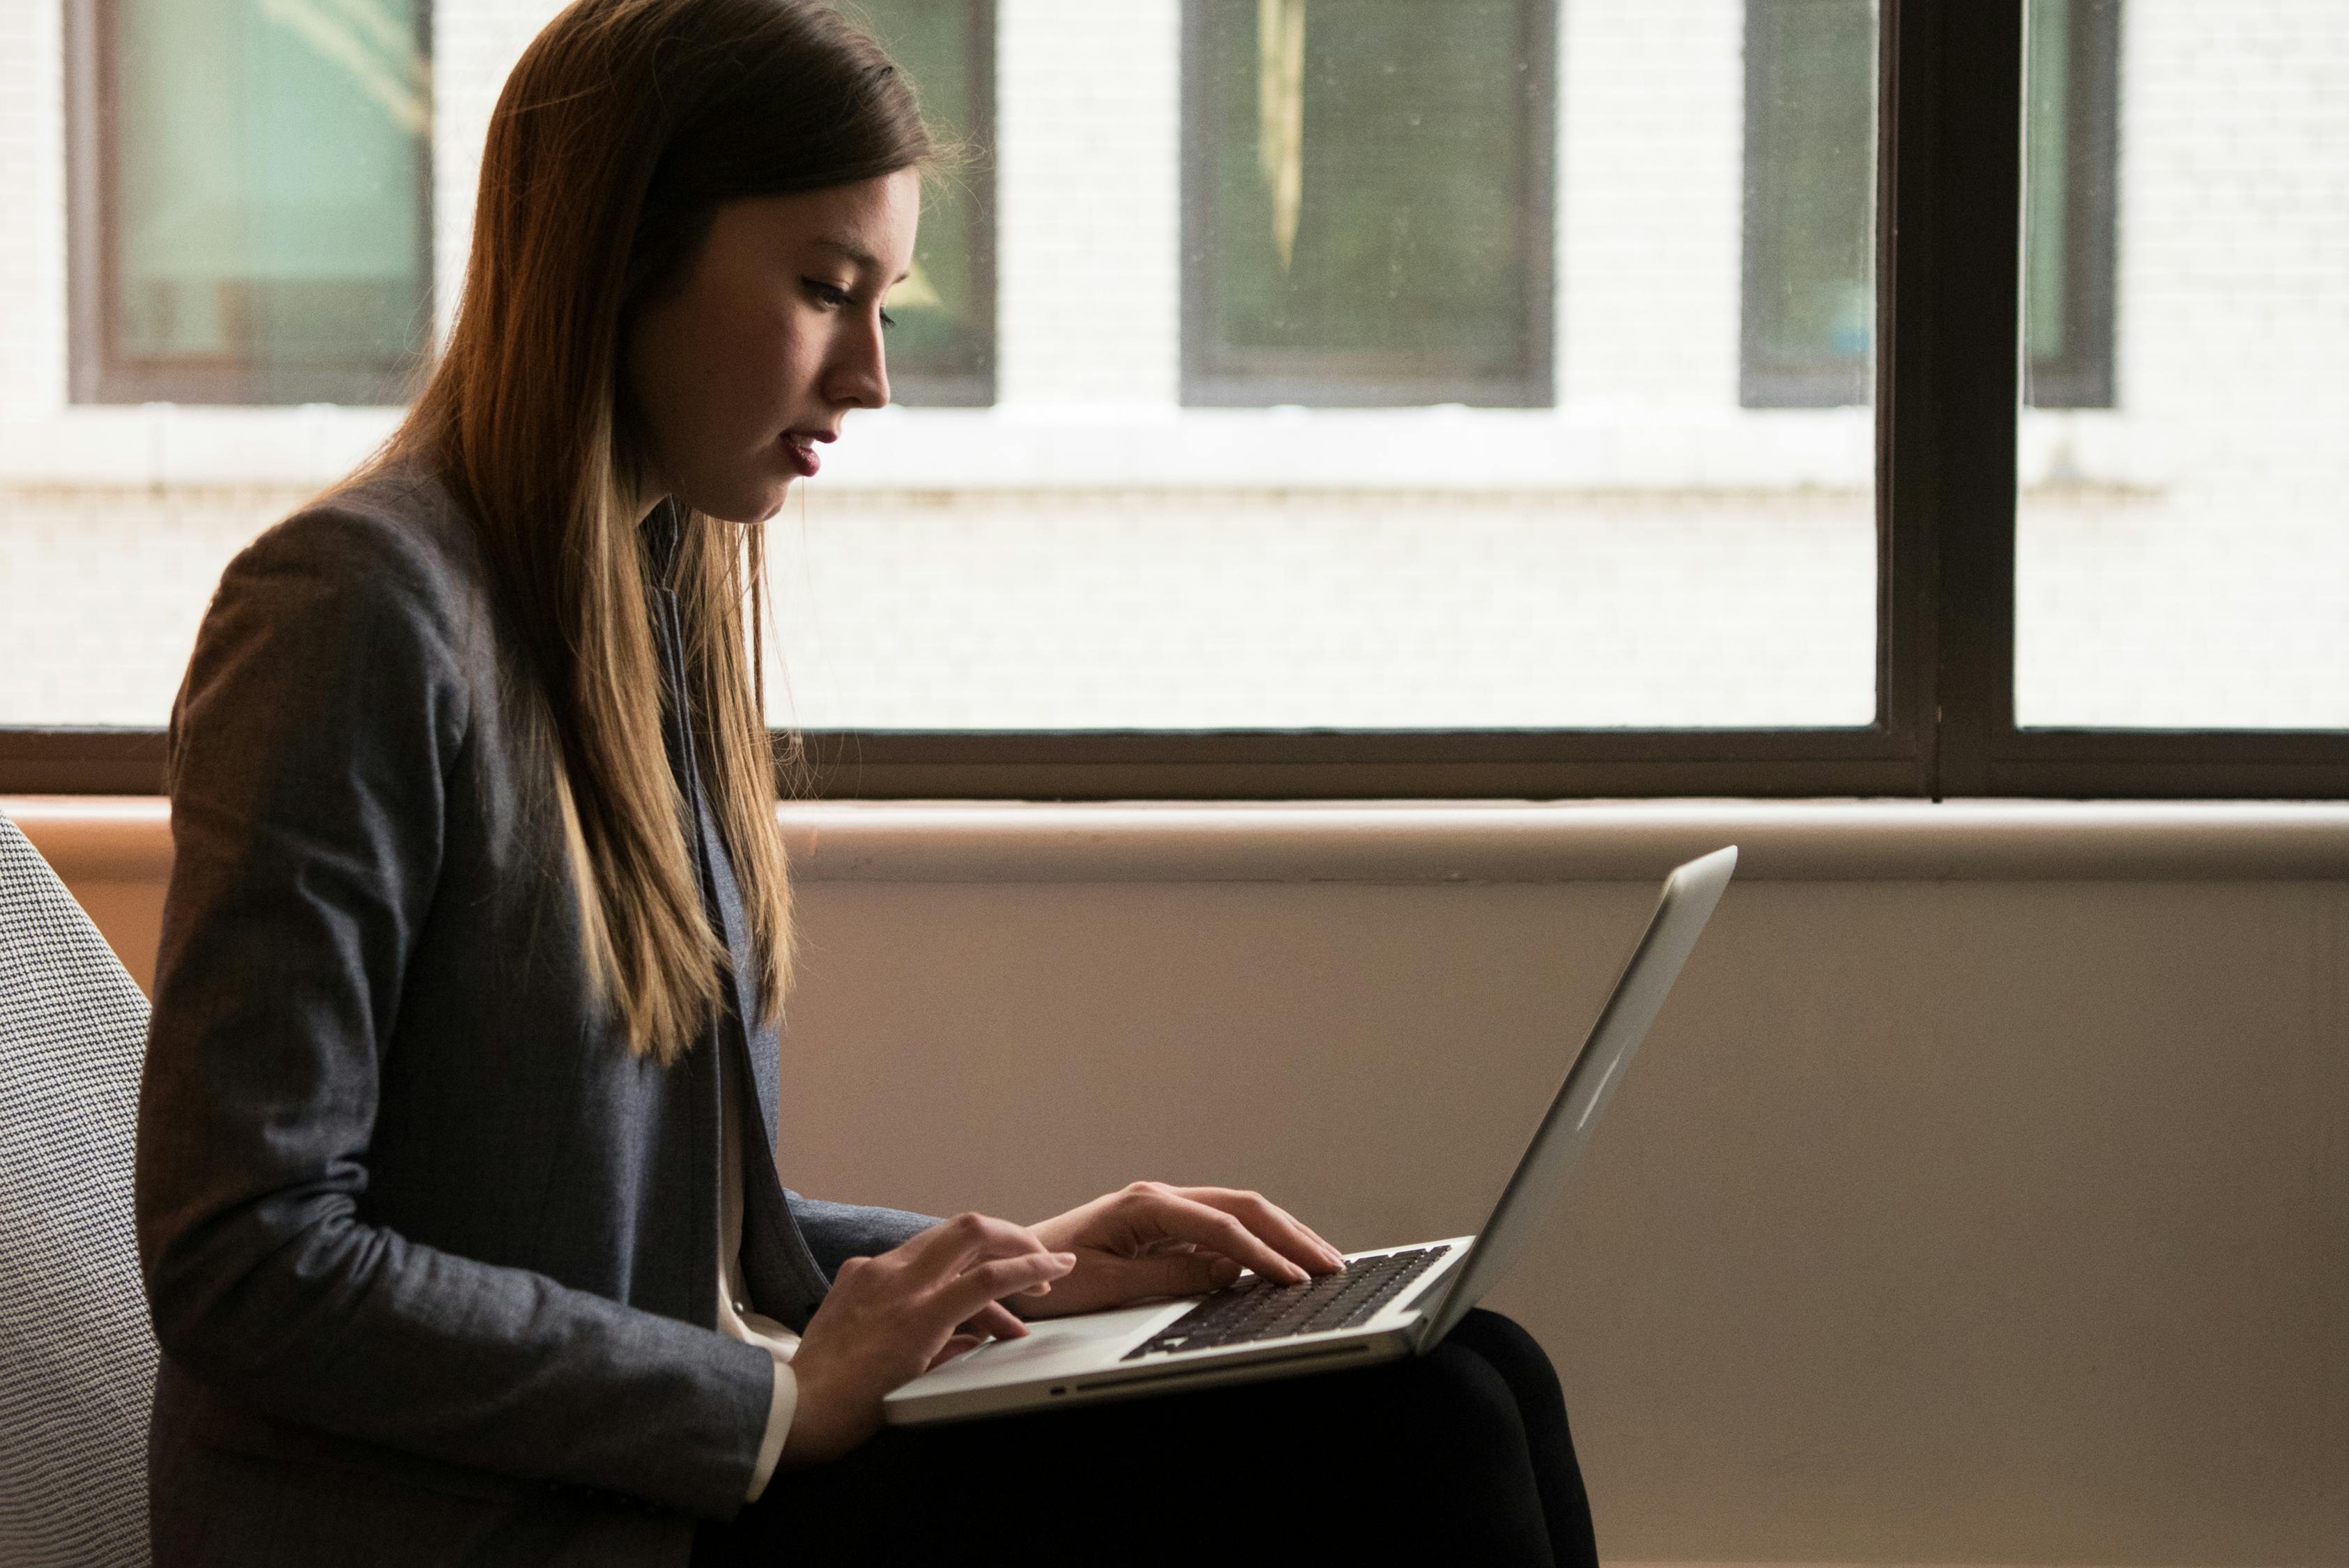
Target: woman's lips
802, 452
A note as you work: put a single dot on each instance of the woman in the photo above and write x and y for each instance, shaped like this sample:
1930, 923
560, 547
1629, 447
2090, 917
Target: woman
478, 927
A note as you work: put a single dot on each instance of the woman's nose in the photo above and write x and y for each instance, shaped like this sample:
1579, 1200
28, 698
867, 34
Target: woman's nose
860, 372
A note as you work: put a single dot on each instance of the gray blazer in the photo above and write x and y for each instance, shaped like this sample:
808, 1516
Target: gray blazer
432, 1259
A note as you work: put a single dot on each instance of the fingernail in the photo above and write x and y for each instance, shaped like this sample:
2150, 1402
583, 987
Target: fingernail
1068, 1258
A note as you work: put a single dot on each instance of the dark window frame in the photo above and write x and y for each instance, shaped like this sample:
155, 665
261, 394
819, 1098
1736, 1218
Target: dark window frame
1214, 376
96, 372
976, 388
1947, 265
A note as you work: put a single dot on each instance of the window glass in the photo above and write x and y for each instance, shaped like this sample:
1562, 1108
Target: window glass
1097, 549
2180, 555
942, 350
1810, 130
265, 215
1810, 234
1105, 553
2070, 118
1369, 203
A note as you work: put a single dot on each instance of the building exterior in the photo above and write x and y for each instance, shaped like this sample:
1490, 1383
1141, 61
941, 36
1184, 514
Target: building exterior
1654, 522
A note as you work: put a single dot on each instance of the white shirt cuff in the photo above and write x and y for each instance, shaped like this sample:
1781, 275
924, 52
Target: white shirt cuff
781, 1406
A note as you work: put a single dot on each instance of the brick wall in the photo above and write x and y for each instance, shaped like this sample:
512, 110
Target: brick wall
33, 183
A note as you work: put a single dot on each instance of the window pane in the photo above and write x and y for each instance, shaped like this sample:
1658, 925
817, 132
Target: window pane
2068, 185
1810, 232
267, 201
1092, 552
1642, 552
942, 350
1369, 215
1810, 127
2045, 187
2180, 556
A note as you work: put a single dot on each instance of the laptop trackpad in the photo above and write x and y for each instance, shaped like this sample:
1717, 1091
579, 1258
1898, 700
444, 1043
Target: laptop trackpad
1054, 1345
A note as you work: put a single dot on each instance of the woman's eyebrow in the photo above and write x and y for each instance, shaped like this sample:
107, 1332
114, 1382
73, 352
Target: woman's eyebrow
863, 259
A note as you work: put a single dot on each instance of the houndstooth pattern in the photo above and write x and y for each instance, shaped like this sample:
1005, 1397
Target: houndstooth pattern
76, 1354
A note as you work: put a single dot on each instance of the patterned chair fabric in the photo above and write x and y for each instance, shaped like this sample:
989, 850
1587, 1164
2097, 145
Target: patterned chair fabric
76, 1354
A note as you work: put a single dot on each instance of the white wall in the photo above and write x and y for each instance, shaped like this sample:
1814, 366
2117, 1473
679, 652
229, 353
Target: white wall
1651, 192
1089, 231
1984, 1223
33, 186
2215, 576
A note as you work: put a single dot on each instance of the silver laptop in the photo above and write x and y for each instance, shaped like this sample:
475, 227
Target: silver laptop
1388, 1302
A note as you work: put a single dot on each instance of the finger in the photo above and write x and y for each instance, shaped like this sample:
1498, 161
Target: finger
963, 1296
1210, 1227
1335, 1251
952, 1246
1172, 1273
955, 1346
996, 1320
1318, 1237
1273, 1224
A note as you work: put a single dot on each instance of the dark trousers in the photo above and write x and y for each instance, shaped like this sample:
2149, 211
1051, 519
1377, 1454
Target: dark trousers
1458, 1456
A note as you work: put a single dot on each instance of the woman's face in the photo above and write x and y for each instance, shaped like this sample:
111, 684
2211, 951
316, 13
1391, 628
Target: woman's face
773, 336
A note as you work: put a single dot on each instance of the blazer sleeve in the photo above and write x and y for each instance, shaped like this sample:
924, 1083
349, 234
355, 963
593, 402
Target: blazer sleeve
323, 712
838, 1232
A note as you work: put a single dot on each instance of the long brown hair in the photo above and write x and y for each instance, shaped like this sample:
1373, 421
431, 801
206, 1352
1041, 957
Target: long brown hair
624, 127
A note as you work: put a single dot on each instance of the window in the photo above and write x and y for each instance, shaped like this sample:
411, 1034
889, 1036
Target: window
2070, 135
254, 202
942, 350
1810, 123
2087, 544
1810, 231
2181, 564
1367, 203
1633, 554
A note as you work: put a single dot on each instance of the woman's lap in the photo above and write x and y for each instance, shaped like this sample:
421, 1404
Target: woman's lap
1522, 1363
1464, 1453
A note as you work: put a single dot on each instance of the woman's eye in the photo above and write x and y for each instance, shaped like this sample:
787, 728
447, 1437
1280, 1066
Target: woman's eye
833, 297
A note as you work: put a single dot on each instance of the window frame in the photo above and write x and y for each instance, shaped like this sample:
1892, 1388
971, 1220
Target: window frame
97, 373
1949, 223
1216, 377
976, 388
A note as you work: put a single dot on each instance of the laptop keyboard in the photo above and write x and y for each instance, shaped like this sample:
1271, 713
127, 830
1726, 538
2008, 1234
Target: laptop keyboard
1263, 1309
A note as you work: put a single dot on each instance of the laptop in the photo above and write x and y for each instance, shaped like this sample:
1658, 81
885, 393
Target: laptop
1387, 1303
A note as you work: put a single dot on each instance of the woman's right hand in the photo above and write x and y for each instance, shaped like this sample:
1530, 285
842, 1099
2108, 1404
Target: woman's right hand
887, 1319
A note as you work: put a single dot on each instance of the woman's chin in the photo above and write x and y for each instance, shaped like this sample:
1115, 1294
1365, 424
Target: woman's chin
750, 505
774, 503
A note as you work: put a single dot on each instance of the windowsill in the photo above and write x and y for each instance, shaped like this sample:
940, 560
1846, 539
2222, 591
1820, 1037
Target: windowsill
117, 838
1586, 448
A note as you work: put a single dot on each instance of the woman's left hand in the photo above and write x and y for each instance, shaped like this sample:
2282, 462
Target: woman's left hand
1151, 1239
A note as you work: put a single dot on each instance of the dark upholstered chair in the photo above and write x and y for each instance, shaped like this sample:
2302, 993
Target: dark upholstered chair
76, 1356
